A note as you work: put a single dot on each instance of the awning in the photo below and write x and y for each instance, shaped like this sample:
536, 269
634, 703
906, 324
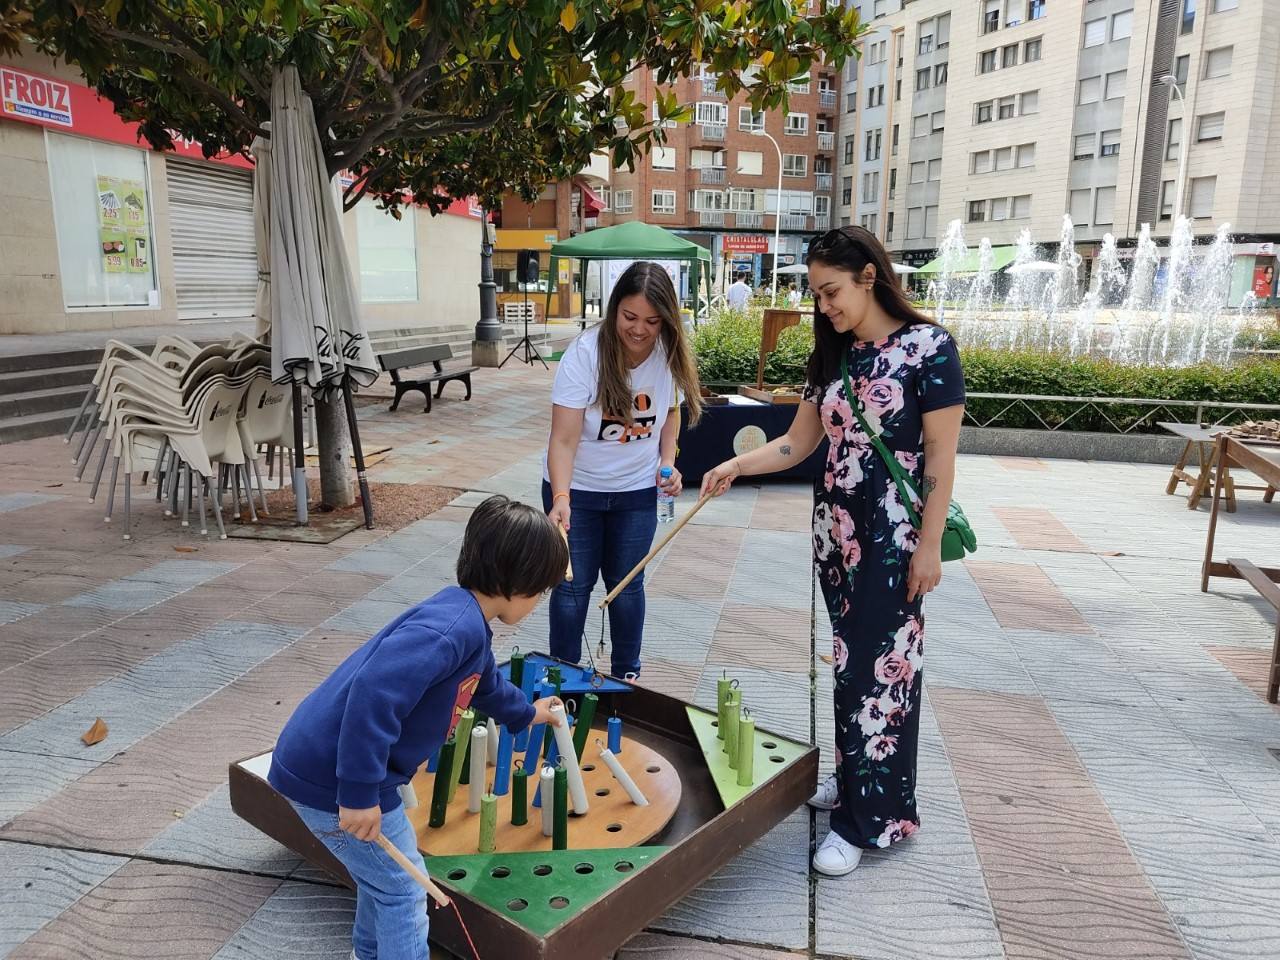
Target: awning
1001, 257
591, 202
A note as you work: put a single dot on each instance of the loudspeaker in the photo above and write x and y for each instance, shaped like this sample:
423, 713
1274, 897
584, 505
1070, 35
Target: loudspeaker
527, 266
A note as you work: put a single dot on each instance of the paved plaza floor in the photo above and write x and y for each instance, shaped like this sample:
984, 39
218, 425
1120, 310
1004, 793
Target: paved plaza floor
1099, 772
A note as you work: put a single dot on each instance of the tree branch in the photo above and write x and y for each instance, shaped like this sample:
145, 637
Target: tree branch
375, 130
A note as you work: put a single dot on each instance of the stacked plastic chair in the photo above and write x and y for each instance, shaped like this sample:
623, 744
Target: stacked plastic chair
193, 419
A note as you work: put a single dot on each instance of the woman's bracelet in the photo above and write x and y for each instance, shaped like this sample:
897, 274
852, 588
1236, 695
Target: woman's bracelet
558, 496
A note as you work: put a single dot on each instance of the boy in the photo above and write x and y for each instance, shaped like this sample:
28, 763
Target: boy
363, 733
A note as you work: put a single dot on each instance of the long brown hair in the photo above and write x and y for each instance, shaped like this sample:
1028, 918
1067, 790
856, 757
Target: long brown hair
850, 249
614, 389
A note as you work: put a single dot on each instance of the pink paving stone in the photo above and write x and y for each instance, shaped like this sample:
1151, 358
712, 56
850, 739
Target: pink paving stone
1022, 597
1251, 666
1038, 529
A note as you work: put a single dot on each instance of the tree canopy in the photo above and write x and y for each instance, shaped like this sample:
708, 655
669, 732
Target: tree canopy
433, 99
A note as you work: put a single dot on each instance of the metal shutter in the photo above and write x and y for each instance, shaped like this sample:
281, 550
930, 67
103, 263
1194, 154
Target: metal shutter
215, 261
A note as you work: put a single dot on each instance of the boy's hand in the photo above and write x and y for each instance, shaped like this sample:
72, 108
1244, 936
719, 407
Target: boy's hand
542, 710
361, 824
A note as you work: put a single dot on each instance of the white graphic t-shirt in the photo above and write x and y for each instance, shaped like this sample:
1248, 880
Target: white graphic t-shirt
612, 456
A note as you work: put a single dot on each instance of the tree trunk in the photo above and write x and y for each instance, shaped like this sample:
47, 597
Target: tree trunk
334, 442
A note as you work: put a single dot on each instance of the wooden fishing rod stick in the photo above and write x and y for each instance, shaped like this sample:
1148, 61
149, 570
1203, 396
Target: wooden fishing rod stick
568, 570
654, 552
423, 880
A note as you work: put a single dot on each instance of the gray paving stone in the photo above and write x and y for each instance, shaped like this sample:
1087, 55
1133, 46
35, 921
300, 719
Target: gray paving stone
366, 616
17, 501
38, 883
183, 573
28, 779
146, 697
11, 550
127, 594
212, 835
374, 560
299, 921
13, 610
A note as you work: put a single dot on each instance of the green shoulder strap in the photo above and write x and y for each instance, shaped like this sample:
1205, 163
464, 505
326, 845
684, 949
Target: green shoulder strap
900, 475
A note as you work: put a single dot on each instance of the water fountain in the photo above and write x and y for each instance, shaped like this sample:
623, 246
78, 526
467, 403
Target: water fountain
1169, 306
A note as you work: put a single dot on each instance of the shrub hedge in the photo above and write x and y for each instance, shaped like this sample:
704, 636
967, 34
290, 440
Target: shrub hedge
728, 345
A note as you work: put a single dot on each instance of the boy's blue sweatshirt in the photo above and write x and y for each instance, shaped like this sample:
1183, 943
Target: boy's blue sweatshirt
367, 729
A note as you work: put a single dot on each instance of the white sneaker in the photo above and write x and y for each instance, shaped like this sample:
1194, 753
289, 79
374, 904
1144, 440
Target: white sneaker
827, 796
836, 856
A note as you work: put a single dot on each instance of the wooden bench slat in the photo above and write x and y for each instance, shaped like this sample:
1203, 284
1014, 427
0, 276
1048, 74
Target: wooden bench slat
1257, 578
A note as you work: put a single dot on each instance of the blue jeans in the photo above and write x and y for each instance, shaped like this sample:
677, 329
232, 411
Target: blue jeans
391, 909
609, 533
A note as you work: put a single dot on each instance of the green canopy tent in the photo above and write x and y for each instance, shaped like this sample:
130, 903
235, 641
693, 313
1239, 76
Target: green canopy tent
632, 241
1001, 257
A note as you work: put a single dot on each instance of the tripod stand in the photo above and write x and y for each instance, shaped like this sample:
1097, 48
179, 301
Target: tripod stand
530, 351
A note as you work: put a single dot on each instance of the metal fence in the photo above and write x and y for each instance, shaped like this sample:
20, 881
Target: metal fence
1122, 415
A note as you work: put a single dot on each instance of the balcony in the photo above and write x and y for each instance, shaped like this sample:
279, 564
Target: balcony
710, 218
827, 140
711, 175
709, 91
822, 182
822, 221
712, 131
748, 221
827, 99
795, 221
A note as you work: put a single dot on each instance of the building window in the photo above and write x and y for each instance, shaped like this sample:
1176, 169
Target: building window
1035, 9
1174, 139
1009, 56
980, 162
1005, 107
1210, 127
102, 218
1181, 68
1084, 144
662, 201
795, 165
750, 162
869, 222
986, 61
797, 125
1202, 190
708, 201
1121, 29
1020, 207
1026, 155
1030, 103
799, 86
851, 103
915, 223
663, 158
998, 206
871, 186
875, 96
888, 228
1104, 201
1166, 200
943, 30
749, 119
872, 151
893, 182
984, 111
849, 147
935, 169
991, 16
713, 159
926, 43
1221, 6
1217, 63
661, 123
1188, 16
917, 171
388, 255
922, 78
623, 200
1090, 88
1003, 158
977, 211
742, 201
1031, 50
1078, 207
939, 120
931, 221
1095, 32
846, 190
711, 113
1115, 84
1110, 147
894, 147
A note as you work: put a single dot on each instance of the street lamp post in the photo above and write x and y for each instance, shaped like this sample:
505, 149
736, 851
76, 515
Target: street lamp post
777, 215
1183, 148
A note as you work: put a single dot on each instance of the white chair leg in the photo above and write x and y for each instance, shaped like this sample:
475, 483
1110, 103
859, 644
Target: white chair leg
217, 515
174, 484
128, 484
248, 491
262, 491
97, 476
201, 489
186, 500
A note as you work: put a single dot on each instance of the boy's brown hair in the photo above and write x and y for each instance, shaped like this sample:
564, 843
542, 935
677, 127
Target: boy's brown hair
511, 550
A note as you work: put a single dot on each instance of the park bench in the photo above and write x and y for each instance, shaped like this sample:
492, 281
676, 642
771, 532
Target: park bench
394, 361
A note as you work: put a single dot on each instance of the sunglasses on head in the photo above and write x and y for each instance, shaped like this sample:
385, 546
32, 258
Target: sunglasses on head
830, 240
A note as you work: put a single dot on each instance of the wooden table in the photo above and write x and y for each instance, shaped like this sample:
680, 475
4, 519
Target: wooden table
1203, 439
1263, 460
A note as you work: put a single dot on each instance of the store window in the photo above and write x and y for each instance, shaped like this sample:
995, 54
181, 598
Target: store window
388, 255
102, 215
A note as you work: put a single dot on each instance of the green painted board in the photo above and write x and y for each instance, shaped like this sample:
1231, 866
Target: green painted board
543, 889
773, 755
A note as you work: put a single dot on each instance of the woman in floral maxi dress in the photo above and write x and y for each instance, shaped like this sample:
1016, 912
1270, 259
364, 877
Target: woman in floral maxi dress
873, 564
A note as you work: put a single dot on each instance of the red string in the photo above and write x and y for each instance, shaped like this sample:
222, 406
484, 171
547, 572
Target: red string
465, 932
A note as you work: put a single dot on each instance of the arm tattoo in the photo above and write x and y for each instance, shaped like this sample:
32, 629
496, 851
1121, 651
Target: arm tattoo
930, 484
785, 450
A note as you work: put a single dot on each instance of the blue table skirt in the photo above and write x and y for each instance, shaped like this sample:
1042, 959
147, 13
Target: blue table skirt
712, 440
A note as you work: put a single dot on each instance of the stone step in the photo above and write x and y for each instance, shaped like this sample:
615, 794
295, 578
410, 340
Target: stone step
35, 425
41, 401
43, 378
23, 363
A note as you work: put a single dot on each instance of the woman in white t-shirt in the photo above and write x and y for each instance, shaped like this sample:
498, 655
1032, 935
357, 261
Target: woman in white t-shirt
611, 433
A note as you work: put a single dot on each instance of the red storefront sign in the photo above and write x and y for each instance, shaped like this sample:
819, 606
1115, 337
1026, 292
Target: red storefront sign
745, 243
25, 96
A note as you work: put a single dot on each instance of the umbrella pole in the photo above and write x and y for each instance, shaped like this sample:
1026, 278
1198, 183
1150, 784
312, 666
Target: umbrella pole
358, 452
299, 457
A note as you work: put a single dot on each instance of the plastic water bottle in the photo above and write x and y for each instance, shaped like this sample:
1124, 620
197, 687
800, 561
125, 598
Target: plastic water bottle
666, 502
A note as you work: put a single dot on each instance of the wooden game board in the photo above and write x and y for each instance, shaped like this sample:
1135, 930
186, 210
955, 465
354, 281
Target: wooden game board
612, 820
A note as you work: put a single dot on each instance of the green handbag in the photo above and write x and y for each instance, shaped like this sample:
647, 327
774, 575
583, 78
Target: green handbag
958, 537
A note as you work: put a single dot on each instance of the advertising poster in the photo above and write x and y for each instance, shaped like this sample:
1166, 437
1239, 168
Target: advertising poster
122, 225
1264, 278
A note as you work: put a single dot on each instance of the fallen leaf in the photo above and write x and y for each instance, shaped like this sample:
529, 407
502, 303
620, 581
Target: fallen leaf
48, 485
95, 734
182, 549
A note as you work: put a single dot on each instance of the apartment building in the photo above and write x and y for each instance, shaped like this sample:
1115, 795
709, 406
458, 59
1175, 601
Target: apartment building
1007, 114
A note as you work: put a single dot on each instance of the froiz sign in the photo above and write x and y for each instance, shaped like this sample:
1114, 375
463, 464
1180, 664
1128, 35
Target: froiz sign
28, 97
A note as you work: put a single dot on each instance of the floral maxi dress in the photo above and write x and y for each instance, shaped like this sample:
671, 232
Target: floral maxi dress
863, 541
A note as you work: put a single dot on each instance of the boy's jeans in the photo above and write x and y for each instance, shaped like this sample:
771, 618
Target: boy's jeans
609, 533
391, 909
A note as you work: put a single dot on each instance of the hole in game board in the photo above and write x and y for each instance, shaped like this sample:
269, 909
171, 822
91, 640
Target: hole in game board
558, 903
584, 868
715, 723
769, 745
777, 759
588, 767
517, 904
500, 873
614, 828
652, 769
542, 870
458, 874
624, 866
602, 792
